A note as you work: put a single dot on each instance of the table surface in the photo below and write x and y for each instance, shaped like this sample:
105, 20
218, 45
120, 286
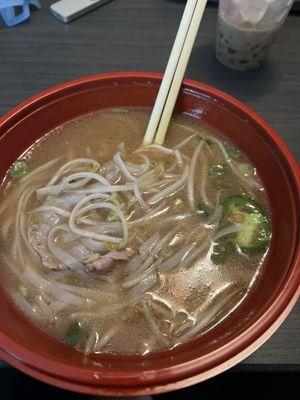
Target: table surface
137, 35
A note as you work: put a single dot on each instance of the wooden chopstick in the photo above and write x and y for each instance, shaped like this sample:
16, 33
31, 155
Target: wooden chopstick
169, 89
170, 71
179, 73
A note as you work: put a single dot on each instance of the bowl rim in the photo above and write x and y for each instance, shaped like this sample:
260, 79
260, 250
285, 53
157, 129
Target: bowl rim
48, 370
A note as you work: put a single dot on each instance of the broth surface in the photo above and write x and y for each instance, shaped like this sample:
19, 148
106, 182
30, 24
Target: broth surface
184, 270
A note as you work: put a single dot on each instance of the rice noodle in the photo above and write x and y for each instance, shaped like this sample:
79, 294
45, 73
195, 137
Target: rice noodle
156, 185
56, 210
70, 165
156, 249
145, 179
176, 259
85, 176
190, 180
157, 147
80, 178
141, 275
149, 244
146, 268
106, 189
139, 169
139, 197
124, 170
139, 290
204, 173
185, 141
79, 210
178, 157
154, 213
170, 189
66, 200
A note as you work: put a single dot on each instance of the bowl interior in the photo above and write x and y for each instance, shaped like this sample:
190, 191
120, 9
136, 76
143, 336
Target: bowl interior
21, 129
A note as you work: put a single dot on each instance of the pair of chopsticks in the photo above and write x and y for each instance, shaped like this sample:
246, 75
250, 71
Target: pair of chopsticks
171, 83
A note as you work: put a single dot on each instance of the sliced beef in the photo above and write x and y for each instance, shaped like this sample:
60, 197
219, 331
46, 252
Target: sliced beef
106, 262
37, 237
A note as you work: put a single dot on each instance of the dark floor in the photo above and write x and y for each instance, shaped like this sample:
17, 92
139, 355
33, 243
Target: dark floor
229, 385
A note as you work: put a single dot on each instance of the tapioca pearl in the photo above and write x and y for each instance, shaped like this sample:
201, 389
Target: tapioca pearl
231, 51
243, 61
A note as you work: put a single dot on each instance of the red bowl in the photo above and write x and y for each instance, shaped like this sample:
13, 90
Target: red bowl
268, 304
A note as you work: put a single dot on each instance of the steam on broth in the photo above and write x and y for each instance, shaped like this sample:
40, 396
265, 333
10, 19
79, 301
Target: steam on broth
117, 248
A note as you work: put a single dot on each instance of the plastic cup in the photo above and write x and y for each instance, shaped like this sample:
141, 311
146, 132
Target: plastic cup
245, 35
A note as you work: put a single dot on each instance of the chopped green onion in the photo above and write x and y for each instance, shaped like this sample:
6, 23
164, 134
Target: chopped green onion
132, 201
74, 334
113, 216
18, 169
231, 150
115, 200
95, 169
111, 246
201, 209
23, 290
